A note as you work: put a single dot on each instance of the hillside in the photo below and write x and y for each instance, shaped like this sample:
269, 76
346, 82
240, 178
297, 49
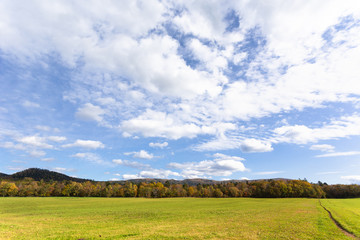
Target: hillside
2, 175
38, 174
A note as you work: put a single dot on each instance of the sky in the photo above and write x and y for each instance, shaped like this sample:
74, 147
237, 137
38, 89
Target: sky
114, 90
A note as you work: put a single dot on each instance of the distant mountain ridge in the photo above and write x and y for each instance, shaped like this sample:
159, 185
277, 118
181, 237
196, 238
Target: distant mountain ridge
47, 175
41, 174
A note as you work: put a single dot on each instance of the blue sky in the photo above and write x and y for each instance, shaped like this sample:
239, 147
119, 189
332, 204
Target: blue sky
181, 89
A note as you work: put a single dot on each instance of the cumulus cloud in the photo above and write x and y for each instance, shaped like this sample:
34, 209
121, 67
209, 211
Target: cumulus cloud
35, 141
131, 164
221, 165
158, 145
90, 112
322, 147
85, 144
141, 154
300, 134
160, 124
254, 145
155, 65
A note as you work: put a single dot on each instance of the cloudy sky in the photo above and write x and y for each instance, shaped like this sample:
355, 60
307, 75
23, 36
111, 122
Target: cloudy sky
181, 89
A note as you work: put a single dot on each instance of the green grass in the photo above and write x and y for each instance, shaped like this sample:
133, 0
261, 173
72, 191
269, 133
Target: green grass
346, 212
172, 218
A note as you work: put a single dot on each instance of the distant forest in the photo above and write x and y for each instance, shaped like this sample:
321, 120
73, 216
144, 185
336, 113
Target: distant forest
44, 183
258, 189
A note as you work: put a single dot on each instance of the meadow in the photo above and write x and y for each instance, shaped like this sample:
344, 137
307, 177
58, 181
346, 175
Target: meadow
346, 212
174, 218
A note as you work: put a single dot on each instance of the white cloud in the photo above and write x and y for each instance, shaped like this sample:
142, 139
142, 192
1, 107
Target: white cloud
114, 179
206, 20
238, 58
159, 124
46, 128
220, 143
158, 145
56, 138
106, 101
352, 178
131, 176
322, 147
247, 145
62, 169
296, 68
141, 154
30, 30
222, 165
17, 169
300, 134
11, 145
210, 58
47, 159
35, 141
132, 164
338, 154
91, 157
326, 173
268, 173
37, 153
85, 144
90, 112
43, 128
254, 145
153, 173
29, 104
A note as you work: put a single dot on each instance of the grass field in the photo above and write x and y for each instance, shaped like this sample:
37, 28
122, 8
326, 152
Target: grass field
346, 212
174, 218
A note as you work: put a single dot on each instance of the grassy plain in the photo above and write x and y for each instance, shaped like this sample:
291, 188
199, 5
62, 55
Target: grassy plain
346, 212
172, 218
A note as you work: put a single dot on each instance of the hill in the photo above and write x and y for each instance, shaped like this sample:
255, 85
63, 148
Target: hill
46, 175
3, 175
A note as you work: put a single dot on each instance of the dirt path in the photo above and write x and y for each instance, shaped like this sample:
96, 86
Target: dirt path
346, 232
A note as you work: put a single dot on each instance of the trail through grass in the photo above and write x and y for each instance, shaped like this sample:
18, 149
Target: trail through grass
172, 218
346, 212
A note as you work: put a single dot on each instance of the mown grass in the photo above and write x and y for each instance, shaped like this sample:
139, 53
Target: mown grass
346, 212
172, 218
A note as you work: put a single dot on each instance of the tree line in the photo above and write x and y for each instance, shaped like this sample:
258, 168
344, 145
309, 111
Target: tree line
259, 189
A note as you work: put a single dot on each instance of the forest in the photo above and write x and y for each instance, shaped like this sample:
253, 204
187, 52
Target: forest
258, 189
35, 182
